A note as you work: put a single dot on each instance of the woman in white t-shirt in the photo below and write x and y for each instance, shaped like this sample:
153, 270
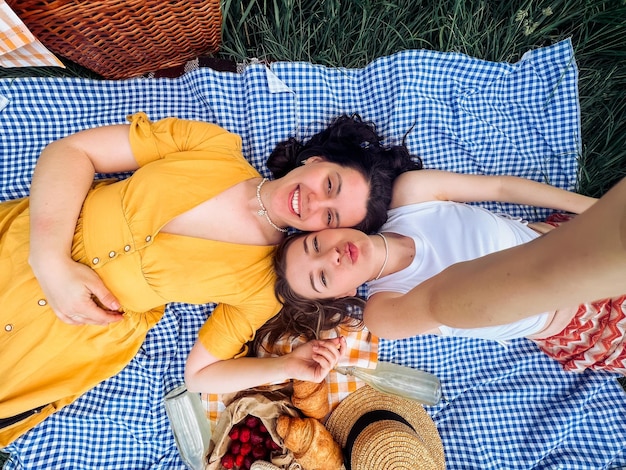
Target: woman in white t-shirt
426, 234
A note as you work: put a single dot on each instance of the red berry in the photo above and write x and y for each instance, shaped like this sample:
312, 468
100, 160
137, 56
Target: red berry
228, 461
239, 460
262, 428
259, 452
256, 437
270, 444
246, 448
244, 434
235, 447
248, 460
252, 421
234, 433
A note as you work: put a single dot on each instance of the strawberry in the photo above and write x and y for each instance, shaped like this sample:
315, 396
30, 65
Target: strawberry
256, 437
235, 447
228, 461
246, 448
259, 451
270, 444
234, 433
252, 421
244, 434
248, 460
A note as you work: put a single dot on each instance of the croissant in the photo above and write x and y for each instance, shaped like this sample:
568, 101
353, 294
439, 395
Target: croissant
311, 443
311, 398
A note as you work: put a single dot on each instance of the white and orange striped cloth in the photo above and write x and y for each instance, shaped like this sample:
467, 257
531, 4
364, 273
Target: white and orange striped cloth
18, 46
362, 351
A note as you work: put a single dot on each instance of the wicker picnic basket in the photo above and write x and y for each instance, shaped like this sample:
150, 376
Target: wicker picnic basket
124, 38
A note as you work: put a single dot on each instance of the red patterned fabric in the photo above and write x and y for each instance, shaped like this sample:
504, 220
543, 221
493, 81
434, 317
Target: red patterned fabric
557, 218
594, 339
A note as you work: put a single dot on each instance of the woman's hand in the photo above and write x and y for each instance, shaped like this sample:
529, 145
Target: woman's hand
313, 360
77, 294
310, 361
61, 181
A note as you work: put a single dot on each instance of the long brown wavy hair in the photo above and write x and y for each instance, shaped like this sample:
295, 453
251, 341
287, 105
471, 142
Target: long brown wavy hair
351, 142
301, 317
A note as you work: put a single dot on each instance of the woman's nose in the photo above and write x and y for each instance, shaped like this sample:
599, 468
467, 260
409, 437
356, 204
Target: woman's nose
316, 202
333, 256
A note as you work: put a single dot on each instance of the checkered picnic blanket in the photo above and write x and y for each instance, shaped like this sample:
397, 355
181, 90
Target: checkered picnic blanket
506, 407
457, 113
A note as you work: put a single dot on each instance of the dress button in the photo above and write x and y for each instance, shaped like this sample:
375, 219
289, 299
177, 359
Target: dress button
111, 254
42, 302
95, 260
8, 327
127, 248
148, 238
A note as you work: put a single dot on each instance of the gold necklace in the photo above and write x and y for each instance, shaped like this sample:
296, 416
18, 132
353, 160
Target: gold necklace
263, 211
386, 256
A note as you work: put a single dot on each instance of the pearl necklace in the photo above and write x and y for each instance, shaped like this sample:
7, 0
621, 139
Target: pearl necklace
263, 211
386, 256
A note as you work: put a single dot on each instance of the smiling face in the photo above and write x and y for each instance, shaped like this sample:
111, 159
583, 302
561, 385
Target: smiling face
320, 195
330, 263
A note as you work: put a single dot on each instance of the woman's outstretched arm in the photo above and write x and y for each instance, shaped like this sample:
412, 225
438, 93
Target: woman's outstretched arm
63, 175
312, 361
436, 185
581, 261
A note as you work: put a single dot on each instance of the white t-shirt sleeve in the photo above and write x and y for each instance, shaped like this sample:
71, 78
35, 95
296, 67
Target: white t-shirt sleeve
518, 329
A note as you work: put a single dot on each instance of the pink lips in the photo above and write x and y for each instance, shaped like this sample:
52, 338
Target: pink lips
290, 204
353, 252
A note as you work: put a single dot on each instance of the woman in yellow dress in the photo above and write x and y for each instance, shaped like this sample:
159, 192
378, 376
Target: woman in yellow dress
195, 223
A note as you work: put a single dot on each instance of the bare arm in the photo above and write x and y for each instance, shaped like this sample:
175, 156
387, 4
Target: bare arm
581, 261
63, 175
434, 185
312, 361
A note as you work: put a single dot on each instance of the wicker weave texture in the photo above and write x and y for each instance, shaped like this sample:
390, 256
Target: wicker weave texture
124, 38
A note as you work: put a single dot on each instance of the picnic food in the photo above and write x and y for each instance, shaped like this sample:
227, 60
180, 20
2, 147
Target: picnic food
311, 398
312, 445
250, 441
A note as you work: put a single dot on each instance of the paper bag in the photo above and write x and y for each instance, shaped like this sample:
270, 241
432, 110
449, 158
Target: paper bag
267, 406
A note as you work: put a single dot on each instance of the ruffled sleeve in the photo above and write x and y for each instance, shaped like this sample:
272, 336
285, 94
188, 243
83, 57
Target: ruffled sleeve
169, 137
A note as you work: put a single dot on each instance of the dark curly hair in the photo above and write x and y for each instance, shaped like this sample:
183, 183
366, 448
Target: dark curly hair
301, 317
351, 142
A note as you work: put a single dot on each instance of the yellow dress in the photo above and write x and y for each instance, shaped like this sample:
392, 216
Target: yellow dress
44, 361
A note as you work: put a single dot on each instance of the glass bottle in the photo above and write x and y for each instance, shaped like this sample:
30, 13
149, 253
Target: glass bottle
190, 425
395, 379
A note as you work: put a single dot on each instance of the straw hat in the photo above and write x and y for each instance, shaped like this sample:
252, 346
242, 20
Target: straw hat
385, 432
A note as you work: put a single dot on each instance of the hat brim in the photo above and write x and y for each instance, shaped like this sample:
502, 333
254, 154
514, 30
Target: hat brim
394, 441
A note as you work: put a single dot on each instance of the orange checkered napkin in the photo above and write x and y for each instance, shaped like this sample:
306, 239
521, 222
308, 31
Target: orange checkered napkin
18, 46
362, 351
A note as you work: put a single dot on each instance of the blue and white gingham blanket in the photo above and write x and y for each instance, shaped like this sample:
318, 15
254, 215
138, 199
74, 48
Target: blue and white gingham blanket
507, 407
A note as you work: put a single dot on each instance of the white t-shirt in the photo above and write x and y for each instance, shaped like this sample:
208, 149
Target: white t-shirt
446, 233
